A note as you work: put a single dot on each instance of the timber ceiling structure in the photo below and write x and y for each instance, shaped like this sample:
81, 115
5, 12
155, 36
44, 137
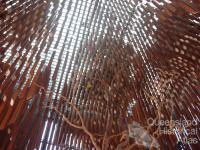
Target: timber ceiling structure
99, 74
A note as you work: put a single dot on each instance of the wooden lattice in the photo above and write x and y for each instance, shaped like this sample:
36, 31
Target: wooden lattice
85, 75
